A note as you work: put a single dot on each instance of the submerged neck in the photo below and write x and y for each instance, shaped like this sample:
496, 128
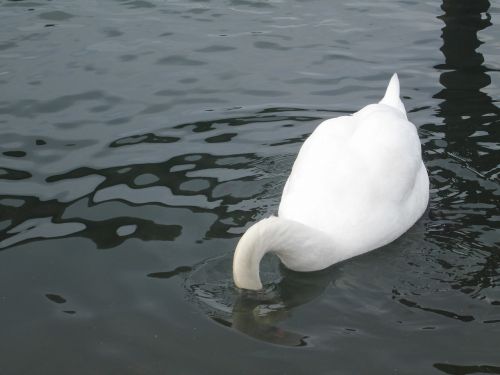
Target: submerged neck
300, 248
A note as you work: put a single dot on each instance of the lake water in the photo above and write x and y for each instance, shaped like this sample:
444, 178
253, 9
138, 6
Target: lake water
140, 138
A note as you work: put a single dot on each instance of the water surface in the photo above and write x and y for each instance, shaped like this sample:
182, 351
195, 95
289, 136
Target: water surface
139, 139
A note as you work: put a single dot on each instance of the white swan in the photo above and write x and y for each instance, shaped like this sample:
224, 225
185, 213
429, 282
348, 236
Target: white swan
358, 183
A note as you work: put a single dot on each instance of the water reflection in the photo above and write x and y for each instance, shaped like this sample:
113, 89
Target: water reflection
261, 315
465, 370
122, 191
466, 180
257, 315
236, 187
468, 113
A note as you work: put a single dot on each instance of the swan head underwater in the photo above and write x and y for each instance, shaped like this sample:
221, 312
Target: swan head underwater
357, 184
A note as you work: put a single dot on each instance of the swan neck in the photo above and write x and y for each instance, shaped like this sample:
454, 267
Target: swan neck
251, 248
299, 247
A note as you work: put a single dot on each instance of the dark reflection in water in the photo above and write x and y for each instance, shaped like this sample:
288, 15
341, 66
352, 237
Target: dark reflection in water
199, 182
256, 314
466, 370
467, 195
469, 115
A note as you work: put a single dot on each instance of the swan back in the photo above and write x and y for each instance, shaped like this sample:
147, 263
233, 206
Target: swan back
360, 178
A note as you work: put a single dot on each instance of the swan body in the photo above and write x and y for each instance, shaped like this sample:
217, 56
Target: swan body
357, 184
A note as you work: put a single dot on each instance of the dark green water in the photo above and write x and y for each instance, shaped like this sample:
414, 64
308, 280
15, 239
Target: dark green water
138, 140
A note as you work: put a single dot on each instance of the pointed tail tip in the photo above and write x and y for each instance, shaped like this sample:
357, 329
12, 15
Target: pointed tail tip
394, 84
391, 96
392, 93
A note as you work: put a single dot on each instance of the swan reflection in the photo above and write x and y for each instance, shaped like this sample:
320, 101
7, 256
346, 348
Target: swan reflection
259, 314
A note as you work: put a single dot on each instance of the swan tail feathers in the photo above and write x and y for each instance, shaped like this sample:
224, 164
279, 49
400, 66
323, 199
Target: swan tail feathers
391, 97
